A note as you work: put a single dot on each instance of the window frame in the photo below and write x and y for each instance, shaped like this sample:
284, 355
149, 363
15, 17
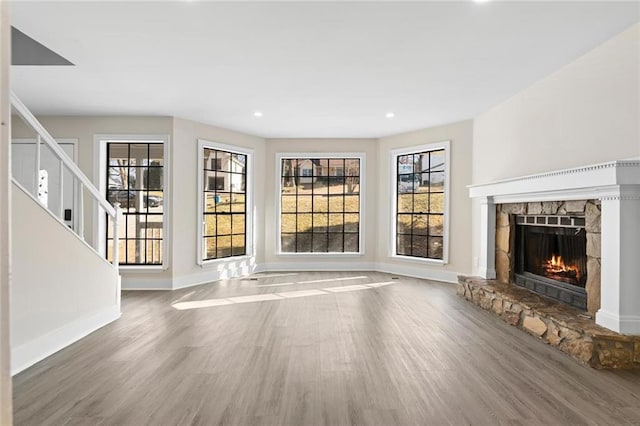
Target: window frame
249, 208
320, 155
100, 166
393, 192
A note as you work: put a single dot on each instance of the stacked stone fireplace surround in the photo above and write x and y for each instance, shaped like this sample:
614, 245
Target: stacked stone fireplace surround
505, 239
570, 330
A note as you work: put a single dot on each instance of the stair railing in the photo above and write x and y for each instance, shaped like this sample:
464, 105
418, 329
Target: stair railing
66, 163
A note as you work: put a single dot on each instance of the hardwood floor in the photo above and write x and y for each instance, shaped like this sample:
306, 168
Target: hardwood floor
403, 351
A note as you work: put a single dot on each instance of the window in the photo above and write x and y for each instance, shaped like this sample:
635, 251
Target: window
421, 192
320, 203
224, 201
135, 179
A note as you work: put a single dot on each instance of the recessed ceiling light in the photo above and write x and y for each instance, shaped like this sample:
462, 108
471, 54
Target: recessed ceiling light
257, 114
390, 115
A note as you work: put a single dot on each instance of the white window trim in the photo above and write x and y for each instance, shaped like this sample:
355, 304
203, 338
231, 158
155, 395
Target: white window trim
99, 179
339, 155
250, 212
393, 187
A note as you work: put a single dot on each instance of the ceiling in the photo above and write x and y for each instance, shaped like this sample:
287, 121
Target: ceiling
324, 69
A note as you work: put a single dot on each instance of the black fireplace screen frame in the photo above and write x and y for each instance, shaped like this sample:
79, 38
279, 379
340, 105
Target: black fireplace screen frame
535, 244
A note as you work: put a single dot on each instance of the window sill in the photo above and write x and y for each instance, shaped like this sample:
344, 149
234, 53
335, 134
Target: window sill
142, 268
419, 260
213, 262
326, 255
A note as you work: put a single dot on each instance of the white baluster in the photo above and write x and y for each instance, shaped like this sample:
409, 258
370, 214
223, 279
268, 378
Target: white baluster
116, 231
61, 193
36, 180
80, 212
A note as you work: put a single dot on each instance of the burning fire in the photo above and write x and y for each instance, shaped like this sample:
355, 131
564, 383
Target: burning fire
556, 266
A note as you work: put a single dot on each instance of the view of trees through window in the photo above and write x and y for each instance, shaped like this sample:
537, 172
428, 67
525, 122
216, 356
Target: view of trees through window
320, 205
224, 208
135, 180
420, 184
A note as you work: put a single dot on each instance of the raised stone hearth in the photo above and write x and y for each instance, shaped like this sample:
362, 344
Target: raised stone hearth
558, 325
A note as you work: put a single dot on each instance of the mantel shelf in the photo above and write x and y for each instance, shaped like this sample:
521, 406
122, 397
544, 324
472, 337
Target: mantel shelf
612, 179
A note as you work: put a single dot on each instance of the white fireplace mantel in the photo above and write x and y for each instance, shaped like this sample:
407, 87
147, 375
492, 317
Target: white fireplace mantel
617, 185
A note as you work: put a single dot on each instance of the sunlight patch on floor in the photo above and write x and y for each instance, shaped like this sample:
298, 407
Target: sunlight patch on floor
347, 288
183, 297
209, 303
276, 285
330, 280
314, 281
201, 304
272, 275
254, 298
302, 293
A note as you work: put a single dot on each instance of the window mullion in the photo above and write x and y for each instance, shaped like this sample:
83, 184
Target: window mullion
313, 184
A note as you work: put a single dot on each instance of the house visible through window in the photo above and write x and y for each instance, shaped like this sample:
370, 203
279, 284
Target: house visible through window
216, 164
420, 207
135, 180
215, 183
320, 205
224, 205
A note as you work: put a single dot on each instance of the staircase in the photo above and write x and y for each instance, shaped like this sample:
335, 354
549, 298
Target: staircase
62, 287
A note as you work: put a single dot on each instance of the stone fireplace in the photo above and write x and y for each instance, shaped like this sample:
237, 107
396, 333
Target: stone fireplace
551, 248
606, 197
554, 251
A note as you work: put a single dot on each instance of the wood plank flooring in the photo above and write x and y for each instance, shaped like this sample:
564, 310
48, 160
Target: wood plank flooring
382, 352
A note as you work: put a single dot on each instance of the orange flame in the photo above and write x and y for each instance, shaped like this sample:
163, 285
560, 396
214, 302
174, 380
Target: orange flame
556, 265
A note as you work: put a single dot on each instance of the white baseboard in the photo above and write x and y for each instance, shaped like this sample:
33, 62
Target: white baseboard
623, 324
486, 273
418, 272
406, 270
36, 350
215, 272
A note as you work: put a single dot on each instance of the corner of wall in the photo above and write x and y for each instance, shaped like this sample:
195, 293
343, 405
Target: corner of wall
5, 214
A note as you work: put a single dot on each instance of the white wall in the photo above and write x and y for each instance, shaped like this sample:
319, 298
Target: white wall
60, 290
5, 214
585, 113
369, 217
185, 198
461, 137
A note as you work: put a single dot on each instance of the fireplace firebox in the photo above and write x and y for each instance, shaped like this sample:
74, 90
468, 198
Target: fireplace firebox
551, 257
